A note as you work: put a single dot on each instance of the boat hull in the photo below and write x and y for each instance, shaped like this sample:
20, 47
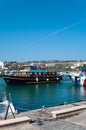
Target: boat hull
16, 80
79, 80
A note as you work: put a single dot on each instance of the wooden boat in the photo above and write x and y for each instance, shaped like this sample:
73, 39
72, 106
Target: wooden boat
32, 77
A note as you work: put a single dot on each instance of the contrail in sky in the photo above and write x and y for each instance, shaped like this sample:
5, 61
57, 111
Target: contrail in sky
62, 29
67, 27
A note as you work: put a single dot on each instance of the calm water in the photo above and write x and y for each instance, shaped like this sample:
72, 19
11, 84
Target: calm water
35, 96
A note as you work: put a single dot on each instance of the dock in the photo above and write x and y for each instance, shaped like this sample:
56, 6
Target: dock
43, 118
13, 121
67, 111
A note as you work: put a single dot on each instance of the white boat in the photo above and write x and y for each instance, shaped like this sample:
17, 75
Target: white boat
79, 78
4, 107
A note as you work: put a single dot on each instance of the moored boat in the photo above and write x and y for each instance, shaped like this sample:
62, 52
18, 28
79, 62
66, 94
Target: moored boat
79, 78
6, 107
31, 77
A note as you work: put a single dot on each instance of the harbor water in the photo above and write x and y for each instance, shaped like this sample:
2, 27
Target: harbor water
30, 97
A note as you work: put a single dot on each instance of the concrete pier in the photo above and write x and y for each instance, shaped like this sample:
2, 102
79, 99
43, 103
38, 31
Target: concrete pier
42, 119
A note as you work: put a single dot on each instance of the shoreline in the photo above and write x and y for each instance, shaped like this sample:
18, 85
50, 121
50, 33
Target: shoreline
45, 110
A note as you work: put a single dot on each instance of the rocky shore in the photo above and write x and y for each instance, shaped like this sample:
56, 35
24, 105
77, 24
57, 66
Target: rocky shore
41, 119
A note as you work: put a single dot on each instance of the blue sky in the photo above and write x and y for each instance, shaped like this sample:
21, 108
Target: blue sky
42, 30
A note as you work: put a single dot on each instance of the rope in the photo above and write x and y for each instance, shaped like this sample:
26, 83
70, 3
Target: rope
20, 108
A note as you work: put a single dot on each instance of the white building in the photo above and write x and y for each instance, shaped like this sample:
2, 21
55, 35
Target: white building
78, 64
1, 65
50, 65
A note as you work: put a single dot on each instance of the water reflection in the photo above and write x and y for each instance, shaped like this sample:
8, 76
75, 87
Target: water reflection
81, 91
35, 96
32, 96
